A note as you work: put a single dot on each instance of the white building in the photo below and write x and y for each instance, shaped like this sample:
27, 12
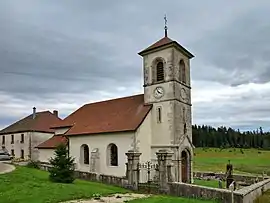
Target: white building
99, 134
21, 138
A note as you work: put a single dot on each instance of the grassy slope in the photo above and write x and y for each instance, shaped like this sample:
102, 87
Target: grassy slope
265, 198
26, 185
209, 183
252, 161
166, 199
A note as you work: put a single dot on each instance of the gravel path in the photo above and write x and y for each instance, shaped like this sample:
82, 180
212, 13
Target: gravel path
6, 168
116, 198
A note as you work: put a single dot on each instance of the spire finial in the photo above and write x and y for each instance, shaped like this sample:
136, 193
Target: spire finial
165, 27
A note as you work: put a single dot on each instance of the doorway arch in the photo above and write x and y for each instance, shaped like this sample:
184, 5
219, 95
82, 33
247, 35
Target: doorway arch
185, 166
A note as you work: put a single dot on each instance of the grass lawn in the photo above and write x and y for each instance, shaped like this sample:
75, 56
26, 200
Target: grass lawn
166, 199
209, 183
265, 198
26, 185
252, 161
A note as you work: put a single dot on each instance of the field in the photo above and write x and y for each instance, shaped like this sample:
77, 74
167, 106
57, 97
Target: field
166, 199
25, 185
265, 198
251, 161
209, 183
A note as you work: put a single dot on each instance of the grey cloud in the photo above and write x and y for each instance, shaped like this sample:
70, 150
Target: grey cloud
248, 110
237, 53
62, 54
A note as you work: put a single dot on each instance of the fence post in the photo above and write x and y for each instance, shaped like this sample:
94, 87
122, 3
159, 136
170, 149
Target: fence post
132, 168
165, 174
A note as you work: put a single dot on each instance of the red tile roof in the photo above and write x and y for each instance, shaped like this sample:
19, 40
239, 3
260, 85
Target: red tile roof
161, 42
116, 115
165, 41
41, 123
53, 142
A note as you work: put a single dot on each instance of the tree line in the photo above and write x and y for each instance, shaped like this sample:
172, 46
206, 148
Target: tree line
223, 137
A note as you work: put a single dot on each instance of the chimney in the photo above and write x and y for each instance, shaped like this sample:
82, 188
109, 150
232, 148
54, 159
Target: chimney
34, 112
55, 112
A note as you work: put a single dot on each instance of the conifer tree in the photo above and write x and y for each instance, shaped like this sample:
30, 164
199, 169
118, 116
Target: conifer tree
62, 170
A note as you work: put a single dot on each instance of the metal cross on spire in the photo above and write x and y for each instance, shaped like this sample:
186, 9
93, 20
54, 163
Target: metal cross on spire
165, 27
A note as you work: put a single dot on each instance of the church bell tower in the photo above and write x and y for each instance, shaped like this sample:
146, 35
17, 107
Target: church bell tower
167, 87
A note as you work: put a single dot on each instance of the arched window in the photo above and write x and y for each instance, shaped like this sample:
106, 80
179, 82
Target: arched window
85, 153
160, 72
182, 72
113, 155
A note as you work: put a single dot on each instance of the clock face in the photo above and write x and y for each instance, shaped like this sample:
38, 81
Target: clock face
158, 92
183, 94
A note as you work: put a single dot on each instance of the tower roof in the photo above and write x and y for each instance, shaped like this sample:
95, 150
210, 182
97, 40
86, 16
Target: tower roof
164, 42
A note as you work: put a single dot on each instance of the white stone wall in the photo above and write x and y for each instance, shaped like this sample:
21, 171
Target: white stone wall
45, 154
31, 140
175, 103
144, 139
61, 131
36, 139
101, 141
17, 146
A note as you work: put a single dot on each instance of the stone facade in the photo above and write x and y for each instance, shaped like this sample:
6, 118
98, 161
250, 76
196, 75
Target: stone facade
24, 149
174, 131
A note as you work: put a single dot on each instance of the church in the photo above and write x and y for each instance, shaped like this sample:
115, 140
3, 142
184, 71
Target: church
99, 134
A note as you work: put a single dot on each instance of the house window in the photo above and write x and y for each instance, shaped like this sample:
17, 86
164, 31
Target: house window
159, 119
12, 152
3, 140
160, 72
85, 153
12, 139
113, 155
22, 138
22, 154
182, 71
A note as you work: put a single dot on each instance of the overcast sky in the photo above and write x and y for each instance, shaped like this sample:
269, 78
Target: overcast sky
65, 53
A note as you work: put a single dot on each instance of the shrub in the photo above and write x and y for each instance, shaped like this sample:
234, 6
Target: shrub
33, 164
62, 170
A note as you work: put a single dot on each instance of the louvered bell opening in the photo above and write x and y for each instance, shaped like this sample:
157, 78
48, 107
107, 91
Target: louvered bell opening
160, 72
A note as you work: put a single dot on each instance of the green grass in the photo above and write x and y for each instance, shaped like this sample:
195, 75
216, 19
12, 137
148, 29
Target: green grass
252, 161
166, 199
208, 183
265, 198
25, 185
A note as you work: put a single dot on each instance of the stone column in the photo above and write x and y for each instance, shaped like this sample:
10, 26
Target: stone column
191, 170
165, 173
132, 169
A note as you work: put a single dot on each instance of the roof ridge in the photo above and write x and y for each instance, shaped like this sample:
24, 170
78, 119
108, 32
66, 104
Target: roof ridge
27, 123
108, 100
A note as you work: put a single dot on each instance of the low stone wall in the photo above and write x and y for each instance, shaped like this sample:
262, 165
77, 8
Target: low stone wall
252, 192
95, 177
245, 195
201, 192
237, 177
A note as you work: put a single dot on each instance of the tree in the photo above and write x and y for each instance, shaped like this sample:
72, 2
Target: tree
62, 170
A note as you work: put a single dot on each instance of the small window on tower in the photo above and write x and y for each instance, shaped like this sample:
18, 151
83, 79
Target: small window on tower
182, 72
160, 72
159, 119
3, 140
22, 138
12, 139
